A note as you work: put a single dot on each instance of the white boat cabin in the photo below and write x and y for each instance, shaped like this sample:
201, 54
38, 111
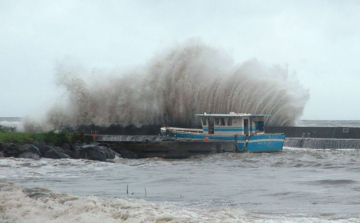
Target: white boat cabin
233, 123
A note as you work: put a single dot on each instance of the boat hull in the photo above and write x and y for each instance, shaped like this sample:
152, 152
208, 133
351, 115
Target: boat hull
253, 143
265, 143
176, 149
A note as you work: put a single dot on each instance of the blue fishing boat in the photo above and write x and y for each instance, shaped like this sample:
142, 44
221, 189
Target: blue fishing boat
245, 130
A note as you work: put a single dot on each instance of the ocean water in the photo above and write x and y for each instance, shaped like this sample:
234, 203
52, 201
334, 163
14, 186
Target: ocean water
295, 185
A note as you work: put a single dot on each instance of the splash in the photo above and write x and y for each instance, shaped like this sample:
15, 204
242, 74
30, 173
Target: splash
176, 84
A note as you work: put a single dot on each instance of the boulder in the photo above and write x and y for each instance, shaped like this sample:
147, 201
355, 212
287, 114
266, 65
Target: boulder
109, 153
124, 153
12, 151
95, 152
66, 148
2, 147
55, 154
91, 152
44, 148
29, 151
128, 154
29, 155
71, 154
30, 148
23, 151
52, 152
76, 149
2, 155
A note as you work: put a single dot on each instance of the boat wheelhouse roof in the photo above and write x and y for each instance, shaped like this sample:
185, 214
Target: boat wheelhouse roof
231, 115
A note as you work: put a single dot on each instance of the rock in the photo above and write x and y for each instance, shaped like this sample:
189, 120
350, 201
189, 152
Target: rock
30, 148
91, 152
76, 149
2, 155
52, 152
23, 151
95, 152
109, 153
124, 153
128, 154
2, 147
12, 151
29, 155
71, 154
66, 147
44, 148
100, 152
68, 150
55, 154
29, 151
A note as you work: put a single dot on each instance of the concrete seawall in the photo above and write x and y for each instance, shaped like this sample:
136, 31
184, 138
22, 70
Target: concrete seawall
297, 132
317, 132
161, 146
322, 143
155, 141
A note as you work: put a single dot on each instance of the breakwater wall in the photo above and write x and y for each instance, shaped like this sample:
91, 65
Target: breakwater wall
322, 143
153, 141
132, 138
118, 129
292, 132
317, 132
296, 142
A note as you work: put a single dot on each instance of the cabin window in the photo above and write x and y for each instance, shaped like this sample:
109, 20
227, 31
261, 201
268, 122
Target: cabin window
259, 126
222, 121
217, 121
229, 121
204, 121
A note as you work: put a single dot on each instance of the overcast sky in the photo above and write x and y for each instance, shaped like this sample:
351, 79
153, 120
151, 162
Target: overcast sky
319, 40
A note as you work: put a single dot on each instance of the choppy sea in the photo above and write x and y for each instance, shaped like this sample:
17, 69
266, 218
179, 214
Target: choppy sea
295, 185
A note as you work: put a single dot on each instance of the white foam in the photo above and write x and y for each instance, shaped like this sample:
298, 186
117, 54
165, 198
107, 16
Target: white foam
41, 205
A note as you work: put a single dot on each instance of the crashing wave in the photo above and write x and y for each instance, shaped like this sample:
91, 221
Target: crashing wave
176, 84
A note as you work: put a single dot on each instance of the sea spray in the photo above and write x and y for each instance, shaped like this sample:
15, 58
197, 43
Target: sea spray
176, 84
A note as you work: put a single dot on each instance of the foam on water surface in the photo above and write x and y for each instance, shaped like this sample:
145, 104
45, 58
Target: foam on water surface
19, 204
295, 185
